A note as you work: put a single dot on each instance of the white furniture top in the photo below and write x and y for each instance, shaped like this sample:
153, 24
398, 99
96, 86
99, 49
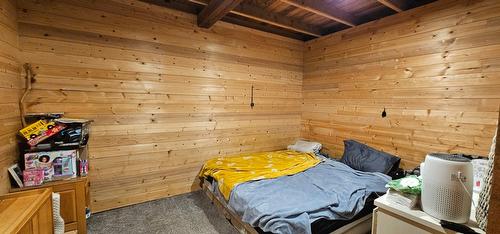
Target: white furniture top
418, 215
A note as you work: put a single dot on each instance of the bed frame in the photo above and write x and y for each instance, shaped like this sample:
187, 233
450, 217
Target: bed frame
234, 219
360, 226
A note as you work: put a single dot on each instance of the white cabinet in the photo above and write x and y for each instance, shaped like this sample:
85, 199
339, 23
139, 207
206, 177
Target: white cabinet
387, 223
392, 218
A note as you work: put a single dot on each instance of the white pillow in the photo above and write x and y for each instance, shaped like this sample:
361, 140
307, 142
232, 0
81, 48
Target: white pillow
306, 146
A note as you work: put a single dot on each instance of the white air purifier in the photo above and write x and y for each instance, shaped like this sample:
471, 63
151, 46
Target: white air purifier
447, 187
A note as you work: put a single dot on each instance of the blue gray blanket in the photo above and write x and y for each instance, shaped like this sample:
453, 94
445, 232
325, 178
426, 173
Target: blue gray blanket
289, 204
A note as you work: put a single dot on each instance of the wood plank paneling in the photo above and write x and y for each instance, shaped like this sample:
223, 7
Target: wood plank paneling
165, 95
435, 69
11, 85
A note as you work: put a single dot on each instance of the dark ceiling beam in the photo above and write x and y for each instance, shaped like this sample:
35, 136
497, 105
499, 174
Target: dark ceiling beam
328, 11
279, 20
176, 5
395, 5
239, 20
214, 11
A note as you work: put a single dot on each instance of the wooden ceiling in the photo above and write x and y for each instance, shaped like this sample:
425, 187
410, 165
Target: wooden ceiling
299, 19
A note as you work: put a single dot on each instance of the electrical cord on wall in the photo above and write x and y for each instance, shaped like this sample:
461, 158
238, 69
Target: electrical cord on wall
29, 79
252, 104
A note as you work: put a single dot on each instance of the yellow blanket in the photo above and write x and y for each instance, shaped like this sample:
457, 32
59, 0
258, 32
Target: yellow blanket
233, 170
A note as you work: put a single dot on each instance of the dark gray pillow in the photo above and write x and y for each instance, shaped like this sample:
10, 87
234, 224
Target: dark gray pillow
365, 158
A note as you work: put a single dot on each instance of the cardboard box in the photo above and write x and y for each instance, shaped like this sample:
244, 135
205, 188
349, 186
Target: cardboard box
33, 177
55, 164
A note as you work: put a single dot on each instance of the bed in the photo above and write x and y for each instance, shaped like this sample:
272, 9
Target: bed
360, 224
327, 196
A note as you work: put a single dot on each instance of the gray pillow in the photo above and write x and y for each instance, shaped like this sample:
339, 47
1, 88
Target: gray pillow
365, 158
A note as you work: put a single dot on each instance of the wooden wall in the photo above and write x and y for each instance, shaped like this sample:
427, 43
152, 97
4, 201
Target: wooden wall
436, 70
164, 94
11, 86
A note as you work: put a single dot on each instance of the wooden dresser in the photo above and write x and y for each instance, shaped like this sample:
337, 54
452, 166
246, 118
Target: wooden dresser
27, 212
74, 199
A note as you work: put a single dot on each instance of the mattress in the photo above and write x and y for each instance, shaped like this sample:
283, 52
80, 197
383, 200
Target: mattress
321, 226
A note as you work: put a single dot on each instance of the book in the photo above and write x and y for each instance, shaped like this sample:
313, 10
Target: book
404, 199
16, 174
56, 165
33, 177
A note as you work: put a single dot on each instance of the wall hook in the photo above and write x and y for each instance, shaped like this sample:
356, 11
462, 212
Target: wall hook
384, 114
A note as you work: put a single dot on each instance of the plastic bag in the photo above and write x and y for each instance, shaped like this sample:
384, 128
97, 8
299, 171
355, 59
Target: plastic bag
411, 184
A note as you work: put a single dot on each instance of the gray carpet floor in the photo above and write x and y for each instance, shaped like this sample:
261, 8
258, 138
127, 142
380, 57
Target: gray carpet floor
187, 213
